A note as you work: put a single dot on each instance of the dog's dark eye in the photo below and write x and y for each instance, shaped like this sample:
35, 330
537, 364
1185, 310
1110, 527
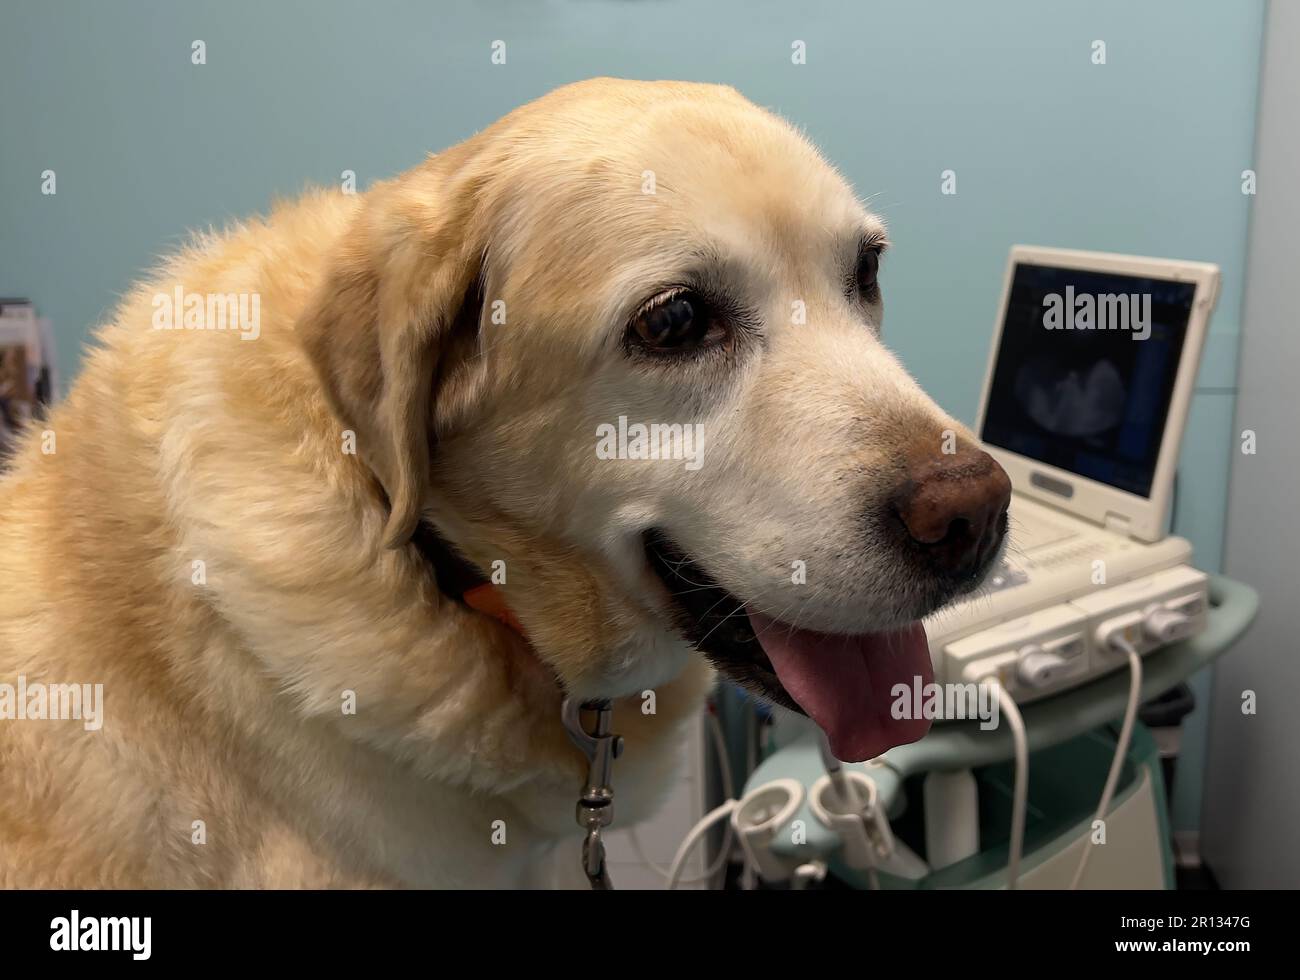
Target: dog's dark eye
868, 269
680, 321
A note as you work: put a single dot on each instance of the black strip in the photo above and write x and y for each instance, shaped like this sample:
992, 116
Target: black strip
455, 575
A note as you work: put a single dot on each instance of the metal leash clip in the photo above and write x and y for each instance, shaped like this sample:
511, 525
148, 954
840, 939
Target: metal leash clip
596, 804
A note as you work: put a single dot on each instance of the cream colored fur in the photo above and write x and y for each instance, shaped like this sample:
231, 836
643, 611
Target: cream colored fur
223, 691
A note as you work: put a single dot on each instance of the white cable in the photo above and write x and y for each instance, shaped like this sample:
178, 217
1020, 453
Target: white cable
813, 872
1121, 748
1020, 794
748, 873
845, 792
729, 791
694, 837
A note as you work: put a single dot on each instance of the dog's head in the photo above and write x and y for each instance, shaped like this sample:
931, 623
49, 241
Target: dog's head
627, 343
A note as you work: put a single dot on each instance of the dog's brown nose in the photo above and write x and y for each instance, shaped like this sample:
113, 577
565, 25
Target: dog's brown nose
955, 508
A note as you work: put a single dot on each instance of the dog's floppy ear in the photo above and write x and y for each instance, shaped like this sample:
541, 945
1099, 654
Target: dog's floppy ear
378, 327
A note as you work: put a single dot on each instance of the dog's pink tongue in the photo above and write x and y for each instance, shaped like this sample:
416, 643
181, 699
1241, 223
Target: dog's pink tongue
846, 683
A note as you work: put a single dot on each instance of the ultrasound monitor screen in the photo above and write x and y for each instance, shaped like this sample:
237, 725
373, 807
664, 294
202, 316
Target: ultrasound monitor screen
1085, 371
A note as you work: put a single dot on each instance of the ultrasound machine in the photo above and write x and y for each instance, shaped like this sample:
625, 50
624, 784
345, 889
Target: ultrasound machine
1084, 402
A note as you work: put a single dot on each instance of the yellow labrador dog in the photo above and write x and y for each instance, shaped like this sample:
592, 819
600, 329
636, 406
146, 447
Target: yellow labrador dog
616, 358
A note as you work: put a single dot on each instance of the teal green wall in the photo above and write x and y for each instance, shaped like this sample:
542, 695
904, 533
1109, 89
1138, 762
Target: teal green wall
1140, 155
